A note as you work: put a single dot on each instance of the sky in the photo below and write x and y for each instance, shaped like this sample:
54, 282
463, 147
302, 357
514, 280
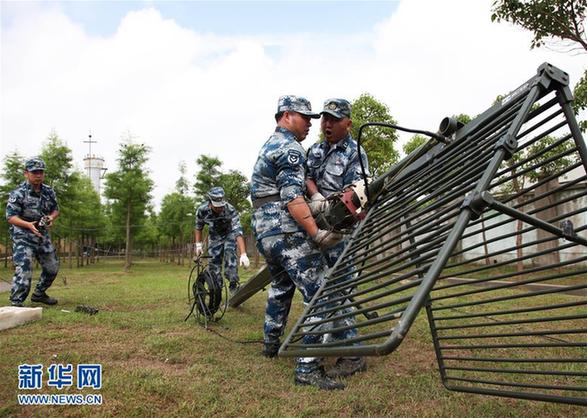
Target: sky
193, 77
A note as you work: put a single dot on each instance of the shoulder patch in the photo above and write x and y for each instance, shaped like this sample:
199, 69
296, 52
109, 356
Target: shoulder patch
12, 199
294, 157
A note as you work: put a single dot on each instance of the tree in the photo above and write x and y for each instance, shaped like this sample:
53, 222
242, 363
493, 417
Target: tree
580, 103
12, 175
414, 143
129, 188
562, 20
182, 185
207, 177
60, 175
378, 142
558, 19
235, 184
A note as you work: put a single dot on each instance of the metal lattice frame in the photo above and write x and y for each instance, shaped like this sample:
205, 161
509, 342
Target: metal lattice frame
488, 234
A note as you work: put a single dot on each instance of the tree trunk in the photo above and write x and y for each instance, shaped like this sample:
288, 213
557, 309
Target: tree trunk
128, 260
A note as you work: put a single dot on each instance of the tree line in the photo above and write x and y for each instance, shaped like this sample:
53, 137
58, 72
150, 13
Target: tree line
125, 219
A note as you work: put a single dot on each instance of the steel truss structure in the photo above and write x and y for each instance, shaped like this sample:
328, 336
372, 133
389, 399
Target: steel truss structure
487, 233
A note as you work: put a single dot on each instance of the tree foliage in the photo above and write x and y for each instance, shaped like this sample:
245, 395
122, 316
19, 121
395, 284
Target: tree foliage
414, 143
558, 19
208, 175
378, 142
129, 189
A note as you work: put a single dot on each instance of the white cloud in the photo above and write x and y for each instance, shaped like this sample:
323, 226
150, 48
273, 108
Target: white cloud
186, 93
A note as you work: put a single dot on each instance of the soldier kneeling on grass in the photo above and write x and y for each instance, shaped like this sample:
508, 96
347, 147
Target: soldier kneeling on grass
31, 210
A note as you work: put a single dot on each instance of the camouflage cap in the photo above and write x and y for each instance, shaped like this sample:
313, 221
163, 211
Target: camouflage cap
339, 108
34, 164
216, 196
296, 104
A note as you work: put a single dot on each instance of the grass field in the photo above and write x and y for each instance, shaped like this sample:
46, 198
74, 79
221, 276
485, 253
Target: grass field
155, 364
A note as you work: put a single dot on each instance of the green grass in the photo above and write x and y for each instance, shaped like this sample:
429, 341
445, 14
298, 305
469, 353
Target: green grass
155, 364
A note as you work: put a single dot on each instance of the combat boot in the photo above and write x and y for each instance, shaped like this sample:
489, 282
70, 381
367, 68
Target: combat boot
16, 304
345, 367
319, 379
270, 349
43, 298
233, 288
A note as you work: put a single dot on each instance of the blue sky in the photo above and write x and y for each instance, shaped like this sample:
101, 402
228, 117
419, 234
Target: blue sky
102, 18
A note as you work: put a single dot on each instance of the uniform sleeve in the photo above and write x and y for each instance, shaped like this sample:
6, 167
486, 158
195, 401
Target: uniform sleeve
199, 219
353, 172
54, 206
310, 164
291, 172
14, 205
236, 223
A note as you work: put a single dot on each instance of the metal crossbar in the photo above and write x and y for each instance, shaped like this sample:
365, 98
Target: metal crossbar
488, 235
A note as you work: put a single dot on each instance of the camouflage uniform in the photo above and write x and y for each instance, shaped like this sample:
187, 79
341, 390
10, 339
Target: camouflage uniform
223, 228
292, 258
30, 206
334, 167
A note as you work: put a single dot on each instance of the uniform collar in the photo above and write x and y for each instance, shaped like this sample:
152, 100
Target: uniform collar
29, 187
342, 144
289, 134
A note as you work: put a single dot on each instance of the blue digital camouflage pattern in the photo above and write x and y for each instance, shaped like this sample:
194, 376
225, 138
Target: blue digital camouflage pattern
296, 104
219, 251
223, 228
339, 108
335, 167
216, 196
34, 164
25, 203
332, 254
294, 262
292, 258
279, 171
30, 206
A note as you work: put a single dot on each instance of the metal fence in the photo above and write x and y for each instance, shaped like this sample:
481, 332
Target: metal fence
437, 238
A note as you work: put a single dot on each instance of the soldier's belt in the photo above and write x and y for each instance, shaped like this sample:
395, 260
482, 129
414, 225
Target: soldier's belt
257, 203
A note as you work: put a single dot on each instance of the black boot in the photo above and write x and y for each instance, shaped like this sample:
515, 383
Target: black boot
43, 298
16, 304
233, 288
270, 349
319, 379
345, 367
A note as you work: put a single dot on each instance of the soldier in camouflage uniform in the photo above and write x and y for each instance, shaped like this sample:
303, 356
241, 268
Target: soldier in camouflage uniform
287, 235
332, 166
224, 233
31, 210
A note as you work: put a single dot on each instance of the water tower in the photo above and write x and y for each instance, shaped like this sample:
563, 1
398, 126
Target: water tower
94, 166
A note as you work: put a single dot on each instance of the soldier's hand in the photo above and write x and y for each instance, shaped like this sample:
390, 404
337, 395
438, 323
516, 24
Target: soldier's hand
327, 239
199, 249
244, 260
318, 204
34, 229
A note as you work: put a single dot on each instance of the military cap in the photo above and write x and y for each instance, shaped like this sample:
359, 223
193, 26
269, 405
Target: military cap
34, 164
216, 196
339, 108
296, 104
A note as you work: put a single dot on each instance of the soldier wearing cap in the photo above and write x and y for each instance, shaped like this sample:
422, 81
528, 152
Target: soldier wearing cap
287, 235
31, 210
224, 232
332, 166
